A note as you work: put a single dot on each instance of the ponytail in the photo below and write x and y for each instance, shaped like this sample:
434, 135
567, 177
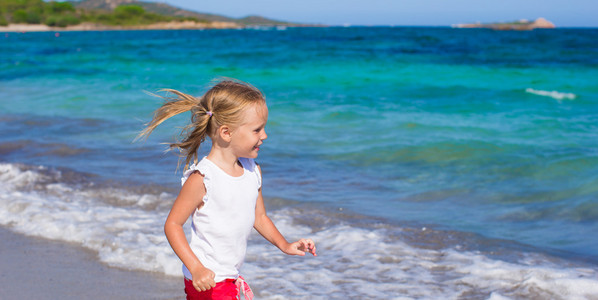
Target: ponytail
194, 133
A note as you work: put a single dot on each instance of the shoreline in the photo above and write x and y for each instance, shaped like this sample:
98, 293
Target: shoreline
36, 268
22, 28
97, 27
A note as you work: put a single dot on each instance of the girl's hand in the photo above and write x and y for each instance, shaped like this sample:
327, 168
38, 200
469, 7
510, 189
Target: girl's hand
300, 247
203, 279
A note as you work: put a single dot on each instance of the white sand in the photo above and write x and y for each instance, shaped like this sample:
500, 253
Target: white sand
90, 26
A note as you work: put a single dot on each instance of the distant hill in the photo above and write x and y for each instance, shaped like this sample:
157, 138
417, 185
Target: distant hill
169, 10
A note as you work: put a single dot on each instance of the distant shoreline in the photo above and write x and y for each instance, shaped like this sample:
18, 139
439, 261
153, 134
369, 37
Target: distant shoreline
99, 27
173, 25
197, 26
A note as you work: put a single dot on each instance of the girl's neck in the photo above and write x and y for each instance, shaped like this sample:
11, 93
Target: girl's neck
226, 161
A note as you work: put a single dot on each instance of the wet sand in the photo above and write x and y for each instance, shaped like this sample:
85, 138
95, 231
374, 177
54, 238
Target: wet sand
35, 268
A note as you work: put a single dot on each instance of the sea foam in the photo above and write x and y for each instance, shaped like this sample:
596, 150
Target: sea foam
368, 263
553, 94
364, 260
34, 202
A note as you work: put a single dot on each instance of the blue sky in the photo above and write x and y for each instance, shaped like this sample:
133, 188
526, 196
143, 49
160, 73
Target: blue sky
563, 13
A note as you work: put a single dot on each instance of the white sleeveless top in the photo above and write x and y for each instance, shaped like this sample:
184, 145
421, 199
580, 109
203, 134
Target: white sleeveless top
221, 227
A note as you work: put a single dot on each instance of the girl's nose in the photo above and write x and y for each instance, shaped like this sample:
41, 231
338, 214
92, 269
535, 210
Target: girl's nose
264, 135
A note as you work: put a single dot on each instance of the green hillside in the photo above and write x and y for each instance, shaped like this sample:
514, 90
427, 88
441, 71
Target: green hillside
108, 12
172, 11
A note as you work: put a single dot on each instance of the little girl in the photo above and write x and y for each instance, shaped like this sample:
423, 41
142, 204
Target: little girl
223, 191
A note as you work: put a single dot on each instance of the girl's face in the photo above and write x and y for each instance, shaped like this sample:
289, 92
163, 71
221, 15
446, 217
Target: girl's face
250, 135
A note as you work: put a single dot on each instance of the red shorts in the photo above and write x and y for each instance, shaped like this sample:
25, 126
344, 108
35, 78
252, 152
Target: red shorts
225, 290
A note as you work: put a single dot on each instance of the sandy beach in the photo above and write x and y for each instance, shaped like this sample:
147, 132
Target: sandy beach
34, 268
95, 27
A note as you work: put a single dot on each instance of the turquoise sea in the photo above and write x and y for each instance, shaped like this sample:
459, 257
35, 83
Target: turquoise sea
427, 163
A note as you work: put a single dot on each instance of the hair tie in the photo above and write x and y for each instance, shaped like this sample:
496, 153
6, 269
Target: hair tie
209, 113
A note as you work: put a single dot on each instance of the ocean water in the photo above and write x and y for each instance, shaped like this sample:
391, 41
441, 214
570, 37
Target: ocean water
427, 163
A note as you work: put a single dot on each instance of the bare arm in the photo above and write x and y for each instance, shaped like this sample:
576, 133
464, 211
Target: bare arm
264, 225
189, 198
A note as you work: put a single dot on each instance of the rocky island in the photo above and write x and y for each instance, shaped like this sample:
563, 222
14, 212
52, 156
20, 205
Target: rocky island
517, 25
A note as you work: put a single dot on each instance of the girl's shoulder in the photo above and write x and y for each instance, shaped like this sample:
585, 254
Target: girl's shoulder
203, 167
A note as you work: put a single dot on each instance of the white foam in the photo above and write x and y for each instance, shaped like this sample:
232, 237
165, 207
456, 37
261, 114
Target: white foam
497, 296
553, 94
372, 264
352, 262
124, 236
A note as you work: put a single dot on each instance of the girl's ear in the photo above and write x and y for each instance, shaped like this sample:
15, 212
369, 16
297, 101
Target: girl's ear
225, 133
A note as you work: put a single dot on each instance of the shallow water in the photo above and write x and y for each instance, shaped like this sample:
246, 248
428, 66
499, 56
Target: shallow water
418, 158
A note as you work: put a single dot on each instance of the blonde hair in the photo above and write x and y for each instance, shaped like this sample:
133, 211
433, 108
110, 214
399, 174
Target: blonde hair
223, 104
